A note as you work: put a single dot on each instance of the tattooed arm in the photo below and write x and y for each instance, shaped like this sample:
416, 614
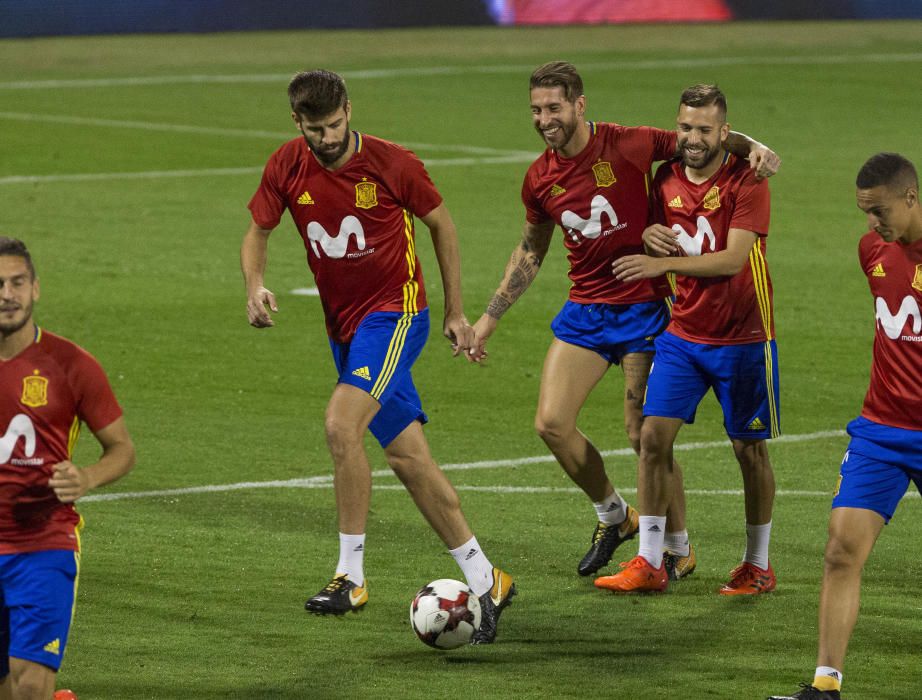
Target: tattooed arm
520, 273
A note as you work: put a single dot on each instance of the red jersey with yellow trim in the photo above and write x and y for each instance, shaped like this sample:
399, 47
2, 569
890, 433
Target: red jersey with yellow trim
356, 223
45, 392
728, 310
894, 273
601, 200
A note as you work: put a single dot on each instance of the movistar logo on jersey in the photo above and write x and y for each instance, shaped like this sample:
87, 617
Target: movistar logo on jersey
892, 324
576, 225
336, 246
20, 427
692, 245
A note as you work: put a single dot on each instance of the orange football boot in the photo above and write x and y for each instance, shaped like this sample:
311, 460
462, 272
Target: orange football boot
636, 576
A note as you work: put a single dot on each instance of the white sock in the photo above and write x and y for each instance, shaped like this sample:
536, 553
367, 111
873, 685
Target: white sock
652, 534
612, 510
477, 569
827, 676
677, 543
351, 557
757, 537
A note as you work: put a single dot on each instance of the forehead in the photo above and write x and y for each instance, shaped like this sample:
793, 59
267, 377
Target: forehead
13, 266
700, 116
543, 96
338, 114
873, 197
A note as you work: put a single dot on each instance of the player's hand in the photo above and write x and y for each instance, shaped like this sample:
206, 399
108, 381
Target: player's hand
660, 241
637, 267
483, 329
460, 333
68, 482
256, 308
764, 161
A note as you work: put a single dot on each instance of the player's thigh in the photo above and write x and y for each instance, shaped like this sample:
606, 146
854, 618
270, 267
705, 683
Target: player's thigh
636, 369
37, 678
570, 373
852, 534
39, 589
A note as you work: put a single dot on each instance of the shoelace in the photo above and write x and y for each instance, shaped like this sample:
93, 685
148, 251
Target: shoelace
337, 584
599, 533
738, 576
635, 563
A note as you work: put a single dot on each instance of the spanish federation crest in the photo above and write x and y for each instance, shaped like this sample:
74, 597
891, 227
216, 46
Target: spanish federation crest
366, 194
34, 390
917, 279
712, 198
603, 174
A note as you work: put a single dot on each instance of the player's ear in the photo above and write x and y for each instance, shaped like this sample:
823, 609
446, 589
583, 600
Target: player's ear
348, 109
35, 289
912, 197
580, 106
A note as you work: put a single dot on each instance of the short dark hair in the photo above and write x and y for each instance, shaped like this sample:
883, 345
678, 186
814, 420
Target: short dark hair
16, 248
316, 94
890, 169
703, 95
558, 74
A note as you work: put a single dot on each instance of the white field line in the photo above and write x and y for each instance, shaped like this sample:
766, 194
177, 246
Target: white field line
326, 481
439, 71
238, 133
214, 172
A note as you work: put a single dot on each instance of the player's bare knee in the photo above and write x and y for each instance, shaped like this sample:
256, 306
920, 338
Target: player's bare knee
550, 428
842, 553
341, 435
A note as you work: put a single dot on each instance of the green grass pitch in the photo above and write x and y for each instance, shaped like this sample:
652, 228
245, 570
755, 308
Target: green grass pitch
126, 164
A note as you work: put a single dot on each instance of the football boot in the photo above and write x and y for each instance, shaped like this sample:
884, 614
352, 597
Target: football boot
678, 566
749, 579
338, 597
808, 692
492, 604
605, 540
636, 576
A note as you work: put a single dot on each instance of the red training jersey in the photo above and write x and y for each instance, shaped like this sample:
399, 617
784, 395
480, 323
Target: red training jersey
894, 273
357, 225
728, 310
45, 392
601, 200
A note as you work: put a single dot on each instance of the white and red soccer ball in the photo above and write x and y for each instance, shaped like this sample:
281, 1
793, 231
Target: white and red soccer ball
445, 614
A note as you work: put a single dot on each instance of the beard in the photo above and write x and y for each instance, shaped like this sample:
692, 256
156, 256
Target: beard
561, 139
11, 326
330, 154
699, 159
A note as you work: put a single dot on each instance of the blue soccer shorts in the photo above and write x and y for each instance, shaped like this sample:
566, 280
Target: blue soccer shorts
378, 360
37, 594
612, 330
879, 464
744, 379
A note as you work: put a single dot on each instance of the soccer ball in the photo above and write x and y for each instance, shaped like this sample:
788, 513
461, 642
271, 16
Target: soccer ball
445, 614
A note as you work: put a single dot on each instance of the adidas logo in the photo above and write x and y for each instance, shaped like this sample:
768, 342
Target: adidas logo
878, 270
675, 202
654, 528
362, 373
557, 190
53, 647
470, 555
305, 198
359, 548
756, 425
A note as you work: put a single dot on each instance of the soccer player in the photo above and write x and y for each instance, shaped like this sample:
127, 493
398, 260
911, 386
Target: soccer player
353, 198
48, 385
885, 451
713, 217
593, 181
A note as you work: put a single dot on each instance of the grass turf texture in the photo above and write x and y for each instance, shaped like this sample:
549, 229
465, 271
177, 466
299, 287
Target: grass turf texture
200, 595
